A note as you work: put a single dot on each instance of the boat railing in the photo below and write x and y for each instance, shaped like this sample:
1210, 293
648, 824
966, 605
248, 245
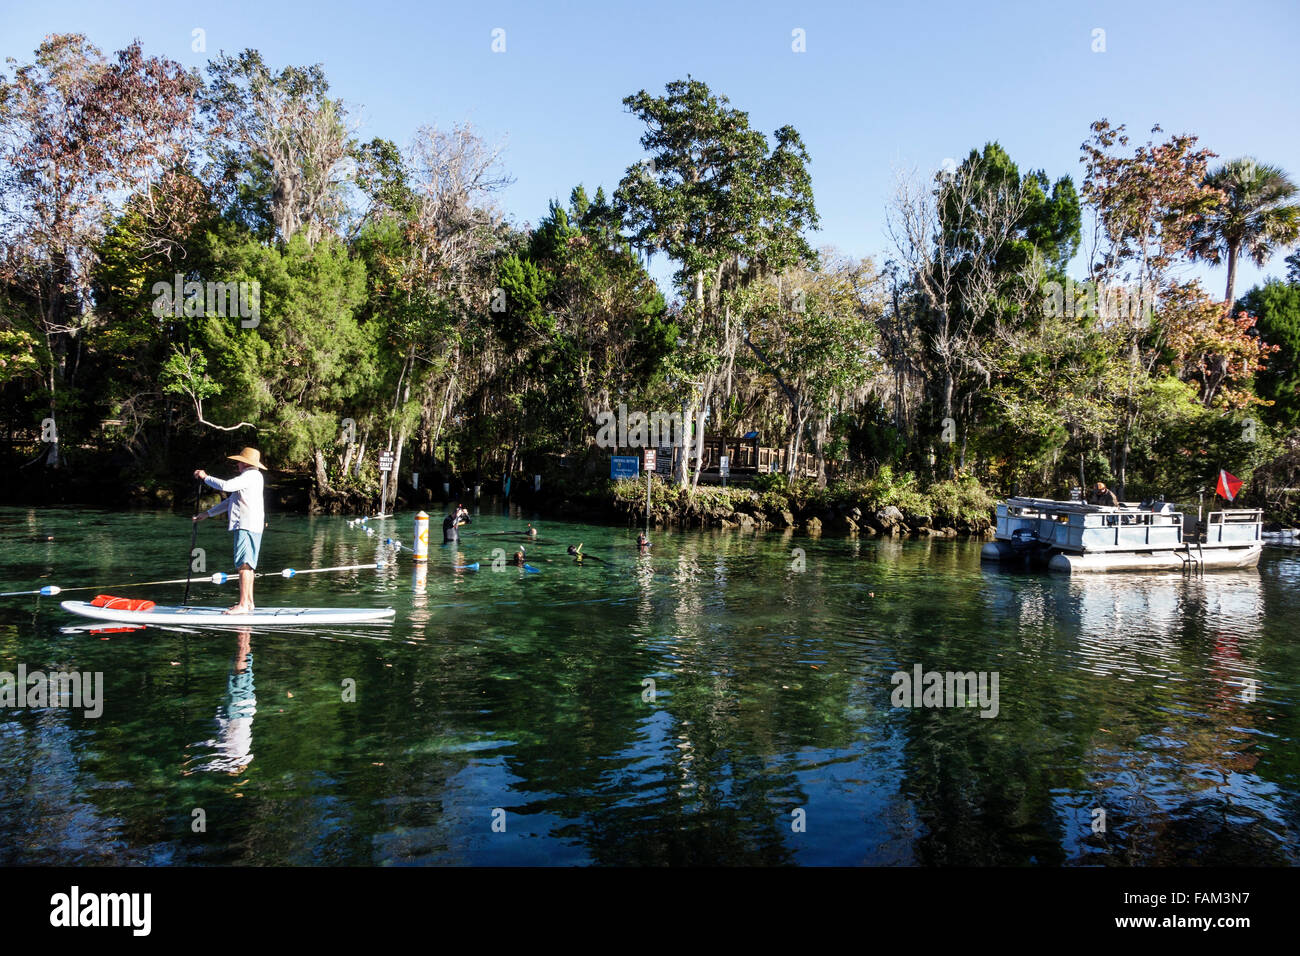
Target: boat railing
1074, 526
1124, 531
1237, 527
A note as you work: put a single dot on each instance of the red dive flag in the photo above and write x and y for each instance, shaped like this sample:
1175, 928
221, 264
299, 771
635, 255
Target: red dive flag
1228, 485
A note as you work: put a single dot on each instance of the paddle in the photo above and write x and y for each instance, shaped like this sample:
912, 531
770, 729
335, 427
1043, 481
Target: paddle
194, 537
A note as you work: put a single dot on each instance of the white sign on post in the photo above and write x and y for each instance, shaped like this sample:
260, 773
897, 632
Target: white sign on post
649, 460
385, 461
724, 465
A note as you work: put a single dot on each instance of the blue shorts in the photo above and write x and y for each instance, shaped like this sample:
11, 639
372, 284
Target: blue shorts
247, 544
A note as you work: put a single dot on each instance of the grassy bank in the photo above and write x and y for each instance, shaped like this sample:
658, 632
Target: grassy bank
884, 503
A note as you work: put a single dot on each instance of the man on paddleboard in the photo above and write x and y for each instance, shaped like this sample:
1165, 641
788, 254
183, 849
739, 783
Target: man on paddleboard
247, 512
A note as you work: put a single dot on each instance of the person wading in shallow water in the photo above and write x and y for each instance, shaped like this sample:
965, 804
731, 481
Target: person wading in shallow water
455, 518
247, 512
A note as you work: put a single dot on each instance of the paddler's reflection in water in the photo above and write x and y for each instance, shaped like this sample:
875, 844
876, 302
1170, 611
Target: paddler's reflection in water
233, 744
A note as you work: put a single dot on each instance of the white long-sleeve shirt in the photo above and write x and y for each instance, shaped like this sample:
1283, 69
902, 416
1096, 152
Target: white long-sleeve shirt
247, 511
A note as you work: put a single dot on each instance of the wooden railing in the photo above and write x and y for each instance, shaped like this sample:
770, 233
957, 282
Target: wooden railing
747, 456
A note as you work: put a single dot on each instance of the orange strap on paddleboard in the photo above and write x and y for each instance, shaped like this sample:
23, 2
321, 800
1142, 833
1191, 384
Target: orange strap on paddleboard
121, 604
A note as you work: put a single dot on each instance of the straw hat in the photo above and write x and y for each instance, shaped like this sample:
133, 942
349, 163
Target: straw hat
249, 456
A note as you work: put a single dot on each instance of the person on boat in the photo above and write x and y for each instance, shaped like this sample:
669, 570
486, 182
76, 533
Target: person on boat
519, 557
455, 518
576, 552
642, 542
244, 503
1101, 495
531, 532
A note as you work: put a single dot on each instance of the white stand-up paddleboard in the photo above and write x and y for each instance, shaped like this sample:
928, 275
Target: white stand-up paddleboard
261, 617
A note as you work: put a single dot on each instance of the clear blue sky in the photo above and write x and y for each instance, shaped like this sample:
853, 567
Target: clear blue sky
881, 86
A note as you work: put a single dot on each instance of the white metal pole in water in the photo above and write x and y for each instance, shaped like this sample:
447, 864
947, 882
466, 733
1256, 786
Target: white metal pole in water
647, 503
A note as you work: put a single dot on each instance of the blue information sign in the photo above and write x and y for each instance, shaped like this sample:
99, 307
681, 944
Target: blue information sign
624, 466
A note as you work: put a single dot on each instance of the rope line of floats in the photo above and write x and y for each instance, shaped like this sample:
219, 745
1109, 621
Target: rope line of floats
221, 577
396, 543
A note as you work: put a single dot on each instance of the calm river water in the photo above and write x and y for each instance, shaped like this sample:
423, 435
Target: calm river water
727, 699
